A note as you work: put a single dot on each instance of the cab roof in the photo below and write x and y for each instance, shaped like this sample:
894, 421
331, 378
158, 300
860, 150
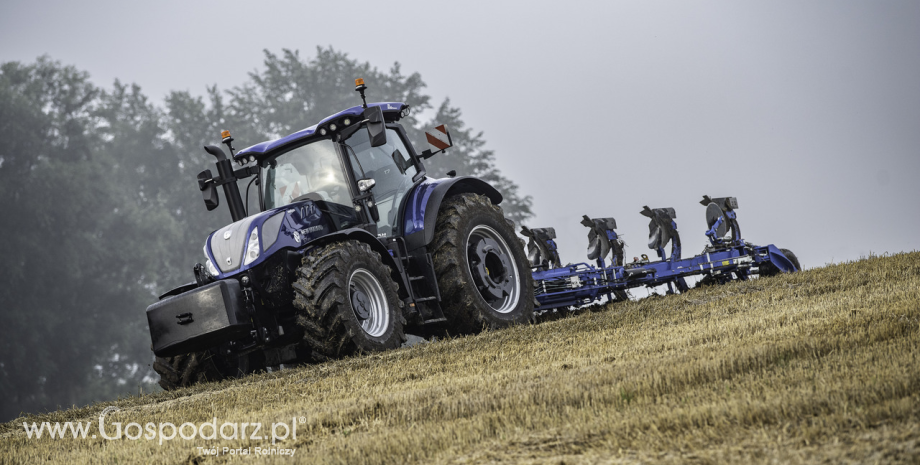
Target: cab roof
392, 111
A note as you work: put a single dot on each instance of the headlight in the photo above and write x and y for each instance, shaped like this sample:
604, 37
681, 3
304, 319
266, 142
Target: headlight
208, 264
252, 248
211, 268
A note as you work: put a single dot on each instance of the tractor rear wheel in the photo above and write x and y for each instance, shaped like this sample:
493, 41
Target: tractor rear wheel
208, 365
346, 302
483, 273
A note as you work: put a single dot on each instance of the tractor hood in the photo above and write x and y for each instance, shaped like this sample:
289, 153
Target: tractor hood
246, 243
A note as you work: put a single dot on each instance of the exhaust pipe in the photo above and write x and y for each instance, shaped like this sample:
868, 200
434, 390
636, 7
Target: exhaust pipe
228, 180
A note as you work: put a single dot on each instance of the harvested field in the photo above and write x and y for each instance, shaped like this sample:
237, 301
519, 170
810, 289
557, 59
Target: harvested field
818, 366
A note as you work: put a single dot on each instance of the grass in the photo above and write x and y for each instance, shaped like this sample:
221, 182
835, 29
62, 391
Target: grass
818, 366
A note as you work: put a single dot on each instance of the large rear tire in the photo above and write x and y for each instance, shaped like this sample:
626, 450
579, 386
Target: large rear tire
208, 365
482, 270
346, 302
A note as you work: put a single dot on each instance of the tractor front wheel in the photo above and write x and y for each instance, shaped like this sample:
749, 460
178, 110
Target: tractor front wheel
483, 273
346, 302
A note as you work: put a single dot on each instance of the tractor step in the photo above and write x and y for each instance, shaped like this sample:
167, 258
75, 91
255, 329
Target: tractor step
423, 288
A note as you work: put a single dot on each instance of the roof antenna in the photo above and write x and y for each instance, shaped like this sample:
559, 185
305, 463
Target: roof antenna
360, 87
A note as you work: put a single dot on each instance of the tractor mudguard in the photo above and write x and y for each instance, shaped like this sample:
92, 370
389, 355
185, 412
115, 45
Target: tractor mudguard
369, 239
425, 201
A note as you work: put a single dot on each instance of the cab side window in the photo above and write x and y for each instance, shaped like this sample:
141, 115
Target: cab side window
391, 167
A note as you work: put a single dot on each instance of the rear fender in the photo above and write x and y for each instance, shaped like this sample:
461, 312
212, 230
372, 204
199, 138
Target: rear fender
425, 202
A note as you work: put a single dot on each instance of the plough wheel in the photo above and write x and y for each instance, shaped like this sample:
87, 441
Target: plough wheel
767, 269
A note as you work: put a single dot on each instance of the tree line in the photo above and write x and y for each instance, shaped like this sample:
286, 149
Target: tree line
100, 211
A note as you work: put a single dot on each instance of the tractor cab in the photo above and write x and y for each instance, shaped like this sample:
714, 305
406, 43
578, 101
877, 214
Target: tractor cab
348, 174
354, 170
357, 165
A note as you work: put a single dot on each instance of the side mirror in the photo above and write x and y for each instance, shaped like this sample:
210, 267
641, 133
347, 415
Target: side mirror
376, 130
208, 190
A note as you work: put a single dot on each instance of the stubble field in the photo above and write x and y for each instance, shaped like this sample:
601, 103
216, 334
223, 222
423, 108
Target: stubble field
817, 366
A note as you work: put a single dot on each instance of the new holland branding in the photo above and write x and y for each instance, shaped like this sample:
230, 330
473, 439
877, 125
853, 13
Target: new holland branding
305, 231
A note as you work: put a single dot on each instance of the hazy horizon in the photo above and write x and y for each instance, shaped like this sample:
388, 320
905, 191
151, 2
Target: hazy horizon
807, 112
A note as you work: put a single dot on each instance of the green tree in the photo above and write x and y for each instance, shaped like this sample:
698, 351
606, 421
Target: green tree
74, 288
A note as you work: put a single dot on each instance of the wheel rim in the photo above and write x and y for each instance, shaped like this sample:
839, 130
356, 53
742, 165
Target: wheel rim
369, 302
493, 268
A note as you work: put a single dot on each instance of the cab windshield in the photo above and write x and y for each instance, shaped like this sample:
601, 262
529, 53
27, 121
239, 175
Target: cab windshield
312, 172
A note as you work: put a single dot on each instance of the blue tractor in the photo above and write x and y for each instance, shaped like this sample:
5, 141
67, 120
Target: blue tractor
352, 246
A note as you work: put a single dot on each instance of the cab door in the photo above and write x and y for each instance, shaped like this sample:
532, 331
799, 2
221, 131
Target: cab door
392, 168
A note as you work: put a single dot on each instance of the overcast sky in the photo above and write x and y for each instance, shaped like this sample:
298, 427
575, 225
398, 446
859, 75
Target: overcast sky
808, 112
